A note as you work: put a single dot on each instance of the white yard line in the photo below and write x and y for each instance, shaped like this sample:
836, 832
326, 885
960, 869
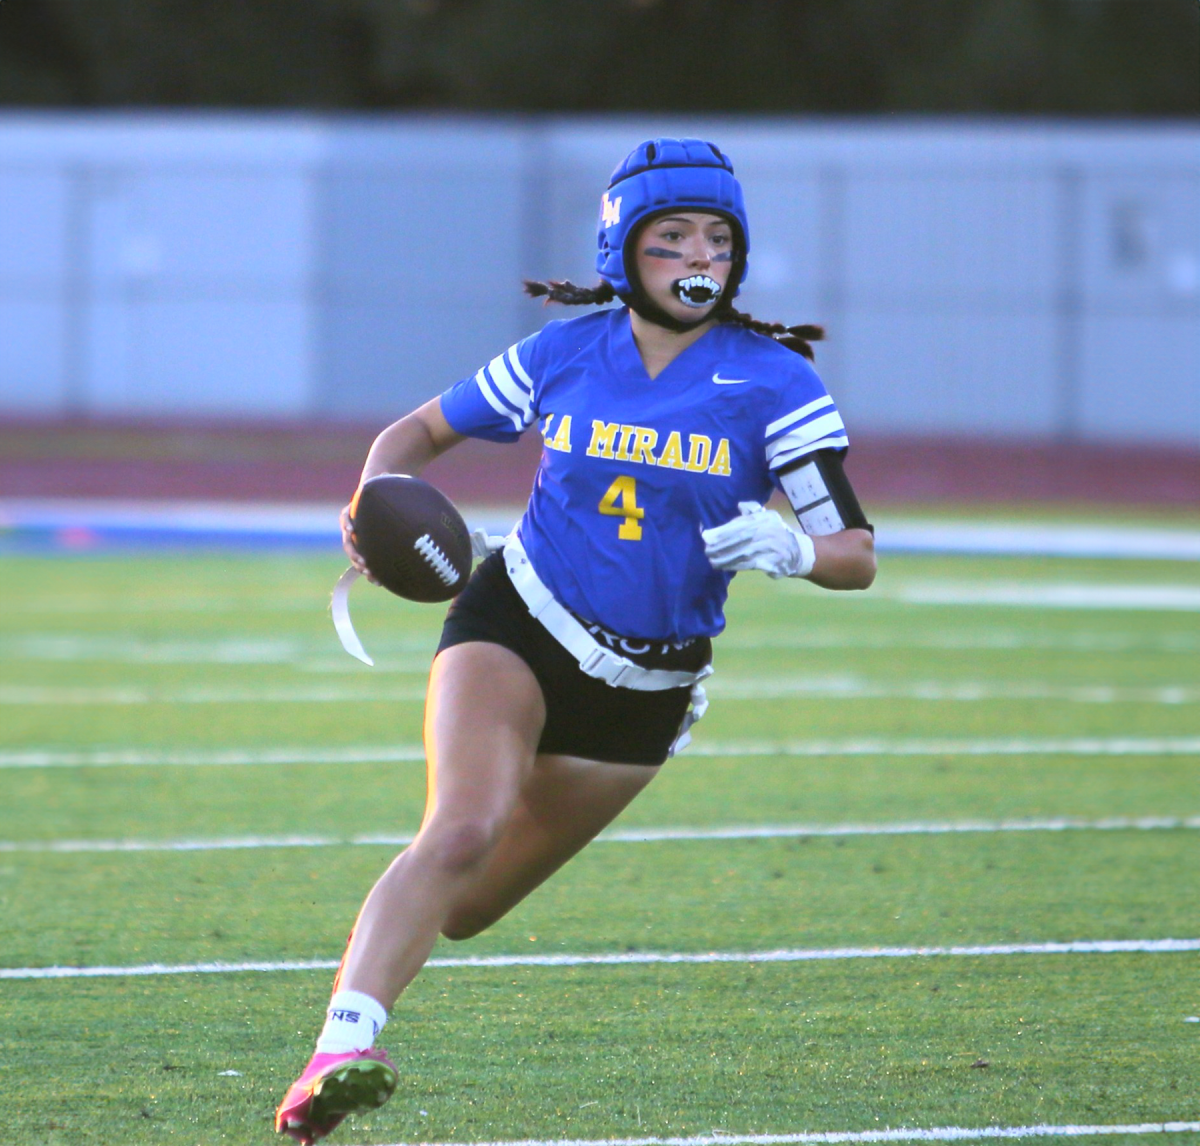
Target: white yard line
973, 640
23, 695
413, 654
730, 688
854, 688
899, 1134
91, 647
633, 835
1024, 594
117, 758
627, 958
38, 758
1048, 595
1078, 746
112, 604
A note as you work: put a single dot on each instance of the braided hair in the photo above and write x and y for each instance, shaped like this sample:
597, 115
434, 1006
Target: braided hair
798, 338
566, 292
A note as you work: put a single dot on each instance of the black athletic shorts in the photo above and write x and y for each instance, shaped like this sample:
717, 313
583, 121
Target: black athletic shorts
584, 716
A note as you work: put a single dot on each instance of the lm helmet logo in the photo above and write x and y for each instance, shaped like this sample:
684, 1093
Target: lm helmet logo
610, 211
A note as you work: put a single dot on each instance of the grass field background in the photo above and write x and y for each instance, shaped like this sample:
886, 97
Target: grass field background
156, 699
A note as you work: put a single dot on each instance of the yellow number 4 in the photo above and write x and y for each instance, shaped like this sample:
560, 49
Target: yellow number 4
620, 500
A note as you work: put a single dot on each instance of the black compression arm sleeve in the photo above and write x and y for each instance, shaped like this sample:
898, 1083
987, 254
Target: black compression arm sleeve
821, 495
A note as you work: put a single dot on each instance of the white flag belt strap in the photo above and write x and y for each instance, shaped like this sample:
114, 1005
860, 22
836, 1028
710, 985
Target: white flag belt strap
340, 607
594, 659
697, 707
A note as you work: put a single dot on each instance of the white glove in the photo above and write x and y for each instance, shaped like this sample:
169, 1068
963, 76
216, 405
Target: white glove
759, 539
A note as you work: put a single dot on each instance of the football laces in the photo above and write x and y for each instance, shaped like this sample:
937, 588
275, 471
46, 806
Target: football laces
436, 559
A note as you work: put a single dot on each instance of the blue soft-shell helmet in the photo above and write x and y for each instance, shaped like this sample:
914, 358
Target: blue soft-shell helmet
661, 175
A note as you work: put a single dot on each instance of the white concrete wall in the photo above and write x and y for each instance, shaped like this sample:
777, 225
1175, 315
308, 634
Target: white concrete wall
1005, 278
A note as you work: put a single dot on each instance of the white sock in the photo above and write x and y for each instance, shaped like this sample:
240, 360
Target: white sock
351, 1023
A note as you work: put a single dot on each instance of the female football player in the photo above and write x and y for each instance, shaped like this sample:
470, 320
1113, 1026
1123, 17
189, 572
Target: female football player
571, 663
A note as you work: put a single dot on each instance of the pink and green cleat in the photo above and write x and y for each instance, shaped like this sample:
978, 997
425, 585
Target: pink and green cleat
332, 1086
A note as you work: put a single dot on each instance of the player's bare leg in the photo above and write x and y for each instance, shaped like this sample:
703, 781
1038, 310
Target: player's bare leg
498, 821
483, 718
564, 804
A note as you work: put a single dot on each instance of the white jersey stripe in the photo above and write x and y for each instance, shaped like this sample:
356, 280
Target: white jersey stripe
493, 400
510, 390
822, 427
785, 457
518, 369
797, 415
805, 438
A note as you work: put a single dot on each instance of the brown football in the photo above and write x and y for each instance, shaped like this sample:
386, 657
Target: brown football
414, 541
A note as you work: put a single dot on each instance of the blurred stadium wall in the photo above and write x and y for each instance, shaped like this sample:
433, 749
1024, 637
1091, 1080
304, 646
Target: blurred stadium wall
1016, 280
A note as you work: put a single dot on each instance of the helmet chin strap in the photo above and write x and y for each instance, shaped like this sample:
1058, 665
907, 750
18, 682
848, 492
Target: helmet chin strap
641, 304
652, 312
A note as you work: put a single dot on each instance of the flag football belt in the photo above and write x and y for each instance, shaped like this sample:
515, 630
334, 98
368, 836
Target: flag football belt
594, 659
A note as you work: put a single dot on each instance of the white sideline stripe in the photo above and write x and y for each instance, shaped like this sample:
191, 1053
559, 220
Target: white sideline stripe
631, 835
316, 522
1048, 539
729, 688
1116, 746
784, 955
900, 1134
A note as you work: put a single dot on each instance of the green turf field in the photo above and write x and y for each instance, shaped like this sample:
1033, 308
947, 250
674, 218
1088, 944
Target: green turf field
157, 700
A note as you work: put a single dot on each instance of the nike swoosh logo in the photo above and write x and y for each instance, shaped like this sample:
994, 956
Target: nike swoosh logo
728, 381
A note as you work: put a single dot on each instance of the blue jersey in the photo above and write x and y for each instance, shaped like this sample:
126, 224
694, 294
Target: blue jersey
633, 468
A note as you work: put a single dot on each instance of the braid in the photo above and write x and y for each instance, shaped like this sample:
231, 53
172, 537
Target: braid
797, 338
568, 293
